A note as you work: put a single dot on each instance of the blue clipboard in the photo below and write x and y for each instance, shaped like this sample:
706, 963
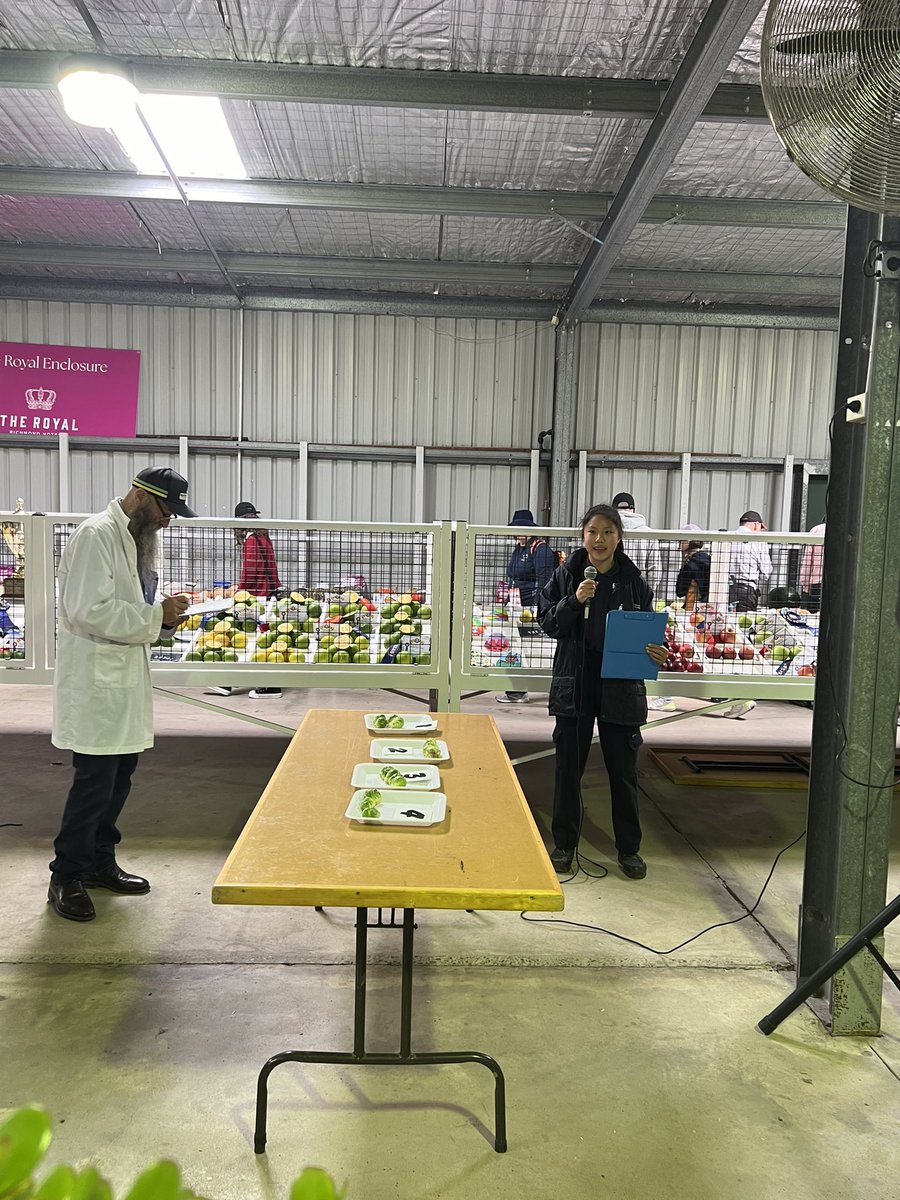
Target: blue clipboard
624, 647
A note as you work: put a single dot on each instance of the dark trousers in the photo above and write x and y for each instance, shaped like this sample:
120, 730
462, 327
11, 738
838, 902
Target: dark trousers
619, 743
88, 836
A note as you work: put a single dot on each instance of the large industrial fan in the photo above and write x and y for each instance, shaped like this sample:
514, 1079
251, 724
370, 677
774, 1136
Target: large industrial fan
831, 85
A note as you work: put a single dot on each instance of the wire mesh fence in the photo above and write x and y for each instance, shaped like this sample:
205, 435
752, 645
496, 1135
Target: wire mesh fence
738, 605
13, 551
290, 595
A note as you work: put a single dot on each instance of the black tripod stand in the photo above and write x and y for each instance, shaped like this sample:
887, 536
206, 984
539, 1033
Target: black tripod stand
772, 1020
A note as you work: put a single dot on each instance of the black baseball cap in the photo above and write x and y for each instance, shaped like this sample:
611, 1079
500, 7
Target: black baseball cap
245, 509
752, 515
623, 500
167, 485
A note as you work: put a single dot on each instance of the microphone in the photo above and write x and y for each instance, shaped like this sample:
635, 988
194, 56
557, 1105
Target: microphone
591, 574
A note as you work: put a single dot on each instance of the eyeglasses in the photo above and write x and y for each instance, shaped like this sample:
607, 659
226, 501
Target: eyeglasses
166, 512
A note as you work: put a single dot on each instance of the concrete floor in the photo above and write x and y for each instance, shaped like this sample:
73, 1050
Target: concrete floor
143, 1031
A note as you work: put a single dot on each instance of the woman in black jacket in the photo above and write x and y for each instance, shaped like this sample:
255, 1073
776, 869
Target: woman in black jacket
579, 697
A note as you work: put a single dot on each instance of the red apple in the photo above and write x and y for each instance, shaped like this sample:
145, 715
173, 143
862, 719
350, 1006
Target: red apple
729, 652
714, 651
806, 670
745, 652
729, 636
686, 651
695, 668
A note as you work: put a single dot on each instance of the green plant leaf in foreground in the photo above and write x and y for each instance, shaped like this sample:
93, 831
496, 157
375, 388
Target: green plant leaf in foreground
162, 1181
59, 1185
24, 1138
315, 1184
90, 1185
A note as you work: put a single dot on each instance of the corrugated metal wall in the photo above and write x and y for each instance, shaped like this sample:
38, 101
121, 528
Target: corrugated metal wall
396, 381
756, 393
366, 381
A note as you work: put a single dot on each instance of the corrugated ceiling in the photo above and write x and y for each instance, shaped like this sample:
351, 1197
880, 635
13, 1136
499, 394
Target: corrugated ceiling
355, 144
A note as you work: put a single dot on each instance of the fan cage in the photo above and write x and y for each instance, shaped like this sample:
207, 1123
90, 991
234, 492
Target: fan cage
831, 85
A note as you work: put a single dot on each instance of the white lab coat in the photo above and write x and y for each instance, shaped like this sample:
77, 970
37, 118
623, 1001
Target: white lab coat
103, 700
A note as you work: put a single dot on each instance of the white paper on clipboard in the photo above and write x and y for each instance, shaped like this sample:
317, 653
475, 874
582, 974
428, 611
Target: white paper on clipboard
207, 606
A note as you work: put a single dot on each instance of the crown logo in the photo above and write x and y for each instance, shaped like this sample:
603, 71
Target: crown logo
40, 397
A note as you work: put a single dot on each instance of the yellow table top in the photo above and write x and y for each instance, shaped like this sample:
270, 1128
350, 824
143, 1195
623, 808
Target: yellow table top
298, 847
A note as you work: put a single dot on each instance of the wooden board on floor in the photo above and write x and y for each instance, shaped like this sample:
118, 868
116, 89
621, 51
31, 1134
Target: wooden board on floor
736, 768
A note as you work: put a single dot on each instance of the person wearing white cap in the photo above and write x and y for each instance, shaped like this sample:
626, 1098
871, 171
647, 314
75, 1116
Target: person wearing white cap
102, 697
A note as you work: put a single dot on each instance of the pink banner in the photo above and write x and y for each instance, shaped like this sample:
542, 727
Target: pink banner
80, 390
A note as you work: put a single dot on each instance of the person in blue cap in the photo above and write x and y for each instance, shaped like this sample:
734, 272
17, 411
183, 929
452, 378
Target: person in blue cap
531, 565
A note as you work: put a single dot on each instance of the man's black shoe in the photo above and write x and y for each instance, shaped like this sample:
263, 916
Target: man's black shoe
119, 881
633, 866
562, 860
70, 899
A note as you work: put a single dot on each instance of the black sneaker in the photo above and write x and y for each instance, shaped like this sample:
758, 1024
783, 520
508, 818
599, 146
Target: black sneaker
633, 866
562, 860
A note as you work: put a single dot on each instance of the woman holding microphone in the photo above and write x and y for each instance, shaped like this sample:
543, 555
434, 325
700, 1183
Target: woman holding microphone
595, 579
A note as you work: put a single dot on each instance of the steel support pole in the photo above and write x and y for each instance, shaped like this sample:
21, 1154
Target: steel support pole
854, 724
565, 397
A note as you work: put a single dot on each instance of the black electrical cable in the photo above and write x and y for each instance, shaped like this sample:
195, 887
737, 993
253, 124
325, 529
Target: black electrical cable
653, 950
824, 650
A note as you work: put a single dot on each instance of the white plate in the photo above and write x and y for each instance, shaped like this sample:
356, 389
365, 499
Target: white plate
432, 805
367, 775
405, 750
412, 723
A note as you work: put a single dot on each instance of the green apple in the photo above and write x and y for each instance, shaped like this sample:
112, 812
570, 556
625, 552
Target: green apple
212, 655
229, 656
334, 610
322, 656
326, 642
425, 612
194, 656
423, 660
340, 656
313, 609
301, 641
361, 642
309, 626
404, 658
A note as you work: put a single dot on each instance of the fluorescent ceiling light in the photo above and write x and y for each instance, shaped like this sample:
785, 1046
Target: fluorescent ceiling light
93, 87
192, 132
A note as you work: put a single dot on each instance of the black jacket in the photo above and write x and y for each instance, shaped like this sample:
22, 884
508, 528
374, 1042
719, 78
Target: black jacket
694, 569
623, 701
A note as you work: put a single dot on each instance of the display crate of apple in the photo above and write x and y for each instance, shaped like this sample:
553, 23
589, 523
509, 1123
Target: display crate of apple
719, 643
403, 627
788, 639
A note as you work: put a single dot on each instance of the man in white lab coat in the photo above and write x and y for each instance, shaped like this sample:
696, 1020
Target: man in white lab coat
103, 702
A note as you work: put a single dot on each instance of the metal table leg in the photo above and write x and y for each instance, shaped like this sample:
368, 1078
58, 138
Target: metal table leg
360, 1056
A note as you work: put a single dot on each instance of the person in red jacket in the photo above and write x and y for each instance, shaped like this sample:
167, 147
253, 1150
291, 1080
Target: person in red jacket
259, 570
259, 576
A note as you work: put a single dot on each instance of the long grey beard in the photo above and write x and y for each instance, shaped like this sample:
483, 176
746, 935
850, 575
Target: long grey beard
146, 540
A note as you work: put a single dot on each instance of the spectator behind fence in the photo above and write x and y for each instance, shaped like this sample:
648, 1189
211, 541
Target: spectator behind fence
102, 696
811, 572
259, 577
531, 565
647, 556
692, 584
750, 565
644, 553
